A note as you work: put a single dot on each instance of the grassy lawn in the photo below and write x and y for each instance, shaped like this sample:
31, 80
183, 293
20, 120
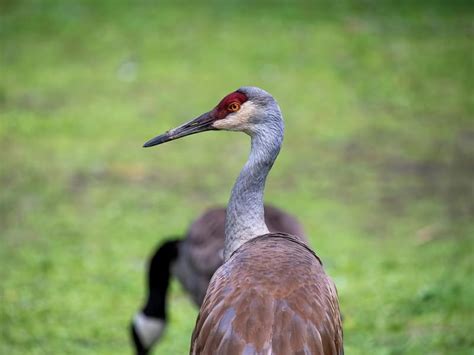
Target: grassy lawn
377, 161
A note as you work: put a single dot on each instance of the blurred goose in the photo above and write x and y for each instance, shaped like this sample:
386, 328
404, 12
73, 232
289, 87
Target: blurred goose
193, 260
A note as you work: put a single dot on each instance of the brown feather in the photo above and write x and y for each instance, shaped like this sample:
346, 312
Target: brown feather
271, 297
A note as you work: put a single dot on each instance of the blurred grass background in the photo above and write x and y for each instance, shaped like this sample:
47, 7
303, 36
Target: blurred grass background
377, 161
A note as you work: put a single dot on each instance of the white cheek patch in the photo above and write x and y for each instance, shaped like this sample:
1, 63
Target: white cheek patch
148, 329
237, 121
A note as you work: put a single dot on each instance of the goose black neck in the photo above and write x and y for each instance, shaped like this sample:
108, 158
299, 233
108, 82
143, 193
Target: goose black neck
158, 279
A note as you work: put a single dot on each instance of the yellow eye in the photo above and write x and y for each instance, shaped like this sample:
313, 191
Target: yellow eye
233, 106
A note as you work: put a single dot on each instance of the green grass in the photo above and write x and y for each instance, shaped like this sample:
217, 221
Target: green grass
377, 160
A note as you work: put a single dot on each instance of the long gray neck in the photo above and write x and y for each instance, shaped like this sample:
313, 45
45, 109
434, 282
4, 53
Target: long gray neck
245, 218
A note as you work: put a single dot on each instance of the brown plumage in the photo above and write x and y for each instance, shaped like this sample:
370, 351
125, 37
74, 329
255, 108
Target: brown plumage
257, 303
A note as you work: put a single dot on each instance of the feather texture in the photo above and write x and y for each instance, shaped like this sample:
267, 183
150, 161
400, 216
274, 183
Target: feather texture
271, 297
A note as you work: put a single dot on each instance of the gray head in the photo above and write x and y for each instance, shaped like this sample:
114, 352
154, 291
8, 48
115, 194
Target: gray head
249, 109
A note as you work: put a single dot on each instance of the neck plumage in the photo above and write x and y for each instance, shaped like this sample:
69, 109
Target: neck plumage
245, 216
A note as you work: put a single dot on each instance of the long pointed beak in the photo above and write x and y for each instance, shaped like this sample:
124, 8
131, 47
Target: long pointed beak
199, 124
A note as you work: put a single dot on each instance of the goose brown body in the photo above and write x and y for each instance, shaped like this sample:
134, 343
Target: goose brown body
271, 297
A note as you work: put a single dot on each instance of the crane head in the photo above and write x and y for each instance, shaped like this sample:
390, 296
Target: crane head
241, 110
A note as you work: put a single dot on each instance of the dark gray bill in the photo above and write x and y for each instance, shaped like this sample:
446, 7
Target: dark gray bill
199, 124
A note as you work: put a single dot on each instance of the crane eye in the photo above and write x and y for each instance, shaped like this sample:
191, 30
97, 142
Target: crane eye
233, 106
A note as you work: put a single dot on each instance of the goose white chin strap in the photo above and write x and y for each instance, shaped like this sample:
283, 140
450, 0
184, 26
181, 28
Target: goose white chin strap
148, 329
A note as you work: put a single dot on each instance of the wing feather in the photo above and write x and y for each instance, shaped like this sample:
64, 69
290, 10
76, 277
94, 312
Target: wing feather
271, 297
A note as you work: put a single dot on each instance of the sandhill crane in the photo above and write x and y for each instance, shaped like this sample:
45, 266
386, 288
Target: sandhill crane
193, 260
271, 295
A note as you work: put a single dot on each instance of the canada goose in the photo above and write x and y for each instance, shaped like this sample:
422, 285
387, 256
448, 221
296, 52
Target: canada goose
193, 260
271, 295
